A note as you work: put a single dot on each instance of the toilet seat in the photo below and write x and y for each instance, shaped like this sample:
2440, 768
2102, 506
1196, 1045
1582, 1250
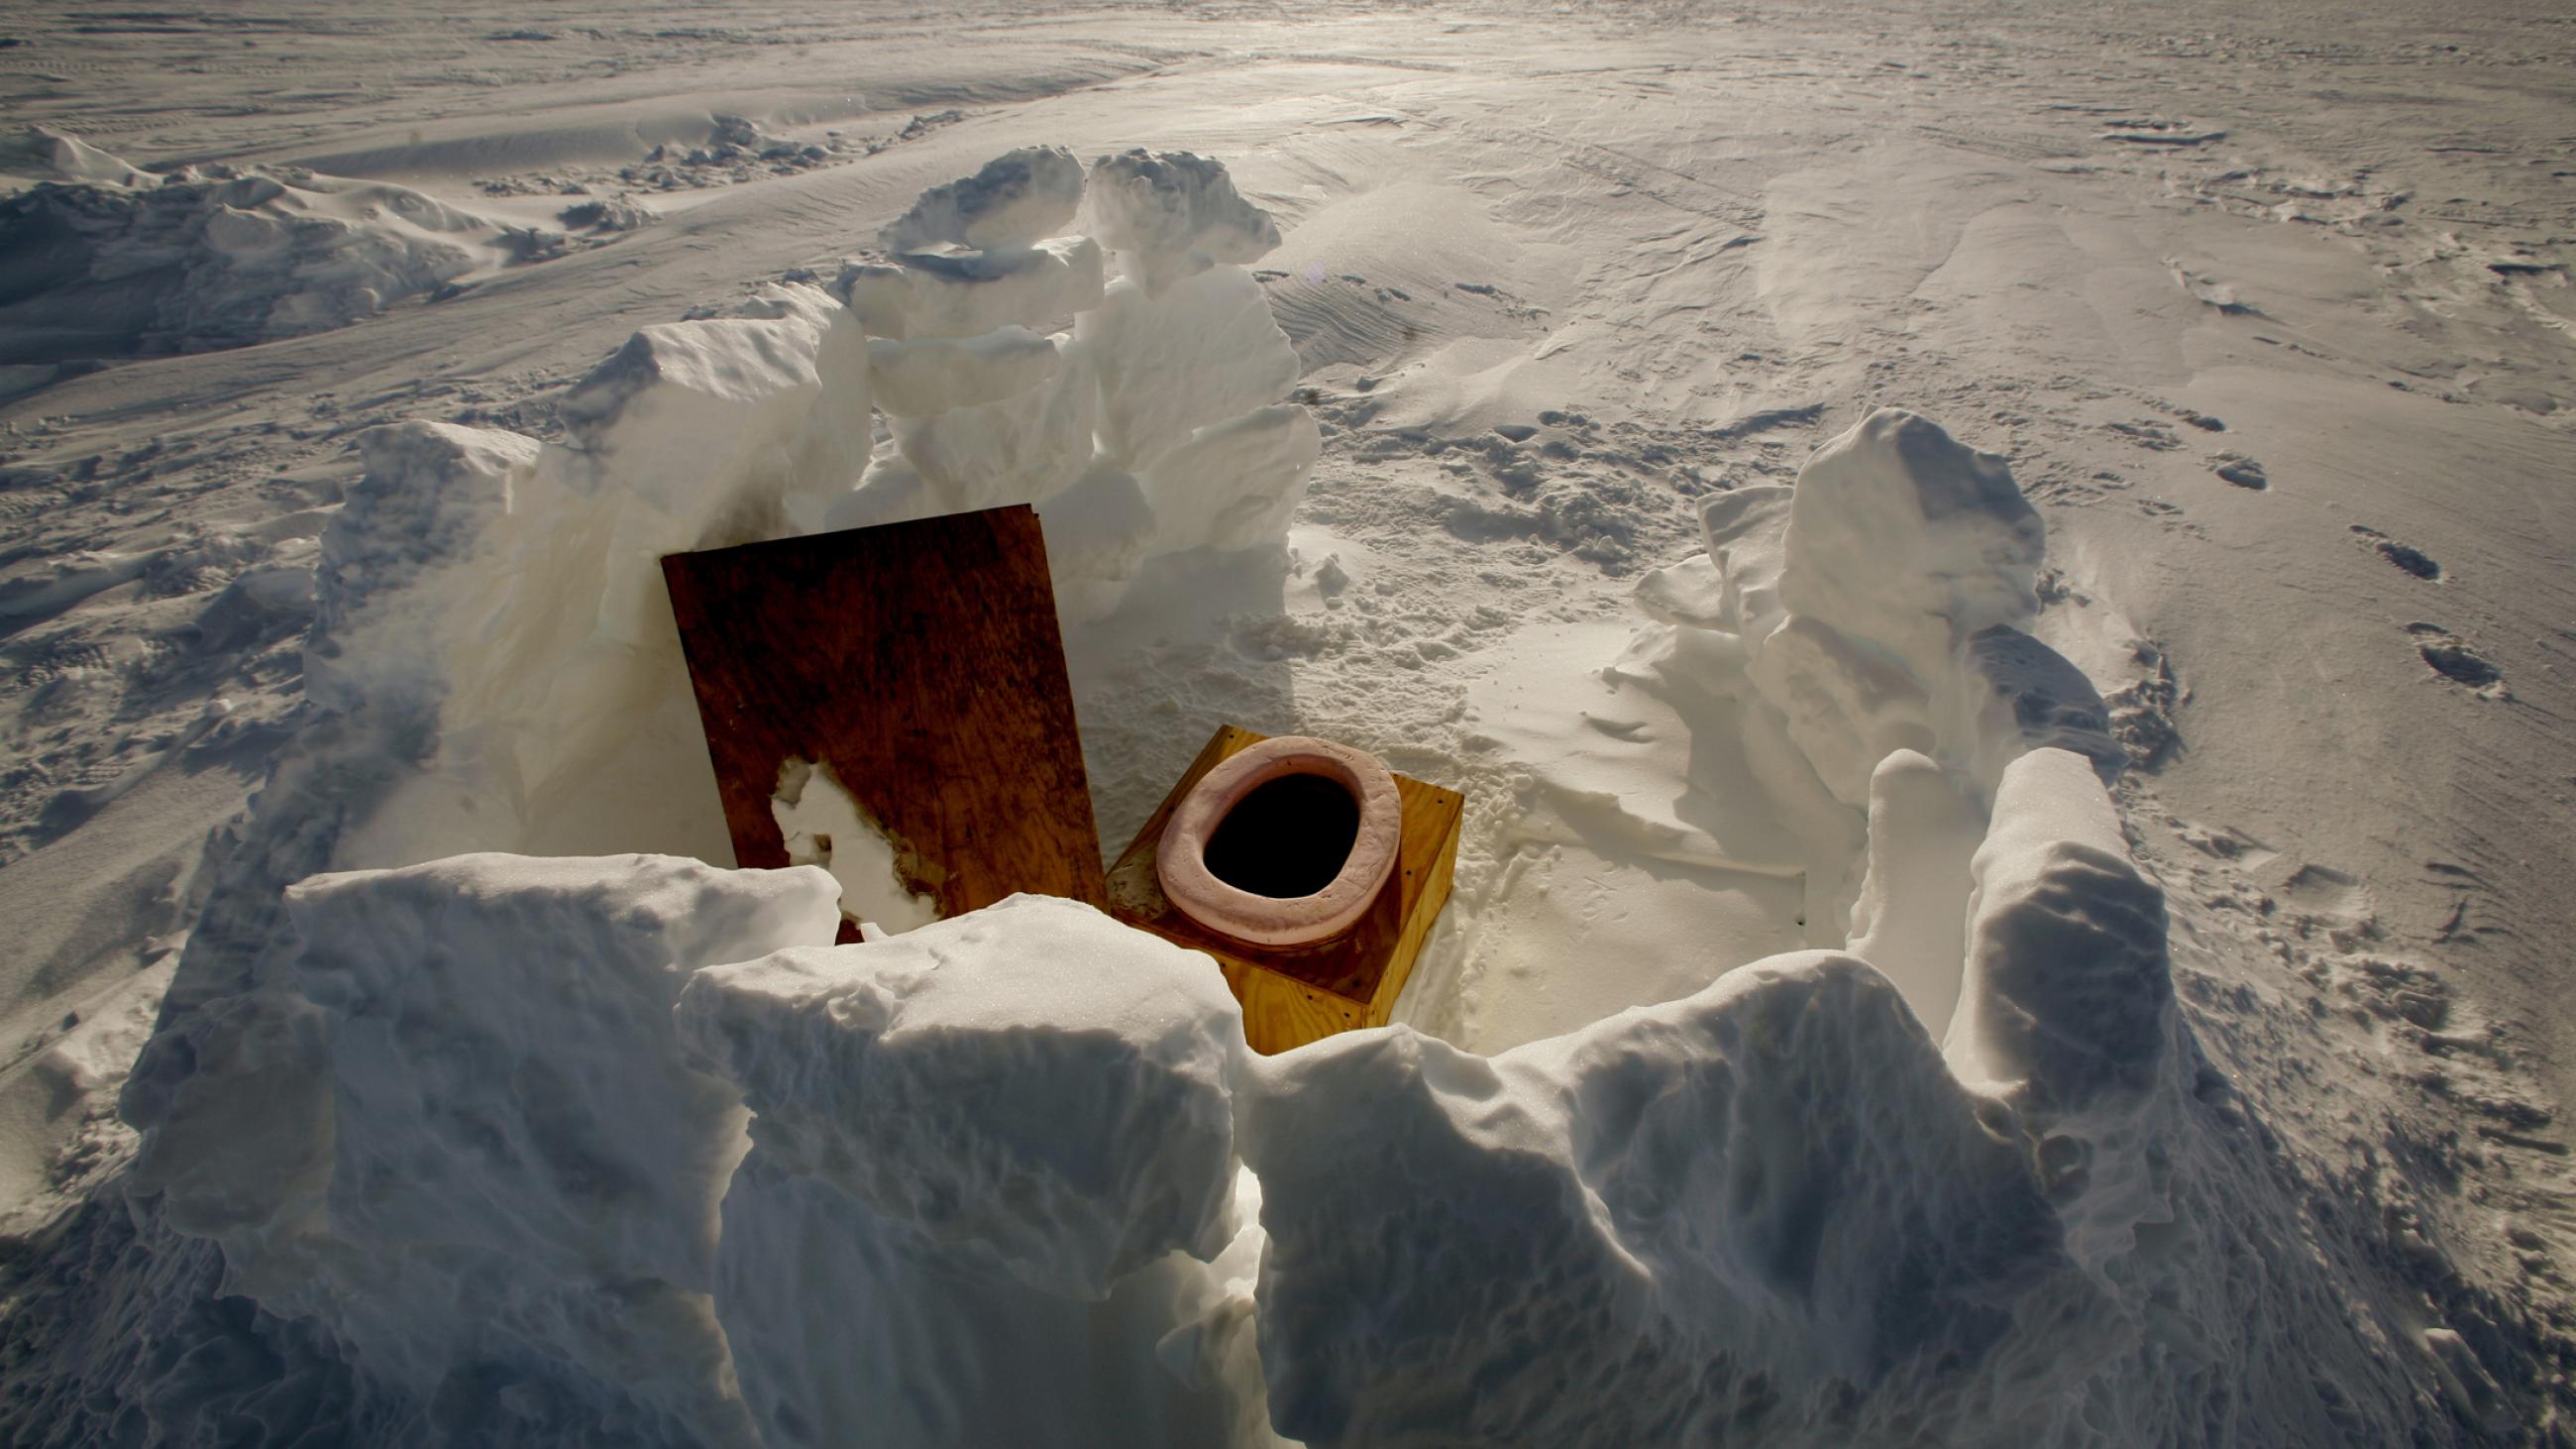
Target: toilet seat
1180, 860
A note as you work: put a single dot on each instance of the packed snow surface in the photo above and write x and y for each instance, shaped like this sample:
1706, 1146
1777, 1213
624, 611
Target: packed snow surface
2004, 645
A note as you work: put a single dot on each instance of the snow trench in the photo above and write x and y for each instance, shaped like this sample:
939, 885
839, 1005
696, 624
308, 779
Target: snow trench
544, 1143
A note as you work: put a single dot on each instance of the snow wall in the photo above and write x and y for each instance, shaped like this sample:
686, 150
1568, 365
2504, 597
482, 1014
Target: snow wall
556, 1146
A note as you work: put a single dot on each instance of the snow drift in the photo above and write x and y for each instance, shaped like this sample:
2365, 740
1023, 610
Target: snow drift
100, 260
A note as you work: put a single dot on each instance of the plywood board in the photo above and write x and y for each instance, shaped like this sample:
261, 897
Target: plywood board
923, 663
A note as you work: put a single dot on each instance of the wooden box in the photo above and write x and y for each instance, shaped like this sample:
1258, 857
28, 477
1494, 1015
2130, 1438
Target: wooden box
1292, 996
922, 662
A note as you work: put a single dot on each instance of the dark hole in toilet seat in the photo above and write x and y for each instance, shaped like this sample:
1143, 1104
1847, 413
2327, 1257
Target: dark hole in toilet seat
1288, 838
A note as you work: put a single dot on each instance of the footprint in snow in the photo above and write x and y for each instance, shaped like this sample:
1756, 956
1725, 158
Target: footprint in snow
2413, 560
2240, 470
2453, 659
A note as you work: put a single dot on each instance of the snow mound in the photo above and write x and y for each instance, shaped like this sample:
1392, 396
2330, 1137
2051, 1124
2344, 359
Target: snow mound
455, 1127
111, 262
41, 153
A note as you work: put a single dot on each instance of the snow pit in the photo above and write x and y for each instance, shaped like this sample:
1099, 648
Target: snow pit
1014, 1177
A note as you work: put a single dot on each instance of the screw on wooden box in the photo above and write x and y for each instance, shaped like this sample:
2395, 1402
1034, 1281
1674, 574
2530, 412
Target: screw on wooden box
1294, 995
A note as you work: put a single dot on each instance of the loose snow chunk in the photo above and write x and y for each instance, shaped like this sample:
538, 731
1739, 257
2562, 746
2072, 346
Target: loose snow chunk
973, 293
388, 591
918, 378
1033, 1082
1721, 1219
1168, 365
1233, 485
1017, 198
1173, 214
523, 1169
1020, 449
1901, 536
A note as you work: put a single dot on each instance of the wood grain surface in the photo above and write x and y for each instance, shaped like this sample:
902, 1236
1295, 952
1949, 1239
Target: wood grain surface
922, 662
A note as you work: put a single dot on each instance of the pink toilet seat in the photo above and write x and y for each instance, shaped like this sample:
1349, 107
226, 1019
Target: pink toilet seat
1180, 861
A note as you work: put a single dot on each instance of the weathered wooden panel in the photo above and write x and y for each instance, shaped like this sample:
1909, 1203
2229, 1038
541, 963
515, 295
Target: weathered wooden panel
922, 662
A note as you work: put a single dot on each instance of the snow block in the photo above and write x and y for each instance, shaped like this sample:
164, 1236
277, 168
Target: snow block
1727, 1218
1912, 918
2012, 694
1904, 537
1172, 214
1690, 594
523, 1169
1204, 351
939, 295
990, 1158
1033, 1079
700, 419
1097, 535
395, 576
851, 1328
931, 375
1016, 450
2069, 989
1017, 198
1233, 485
1744, 529
1848, 704
2066, 1011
